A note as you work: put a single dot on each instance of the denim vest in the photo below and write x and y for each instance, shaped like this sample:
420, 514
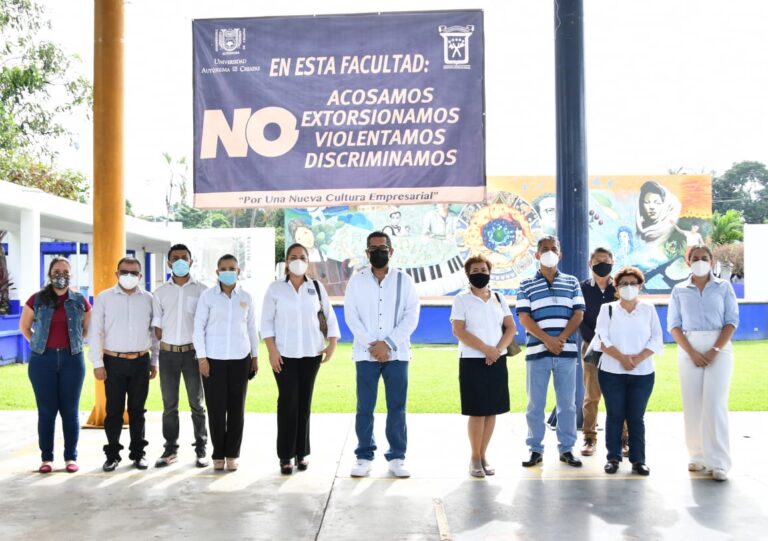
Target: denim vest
75, 309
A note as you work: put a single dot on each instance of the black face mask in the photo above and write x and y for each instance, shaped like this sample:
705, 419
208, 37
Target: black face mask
602, 269
479, 279
60, 282
379, 258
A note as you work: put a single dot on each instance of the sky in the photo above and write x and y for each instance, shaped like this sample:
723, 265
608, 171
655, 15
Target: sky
670, 84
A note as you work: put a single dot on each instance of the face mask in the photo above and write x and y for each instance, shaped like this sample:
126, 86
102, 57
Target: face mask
602, 269
629, 293
379, 259
701, 268
228, 278
298, 267
549, 259
60, 282
479, 279
128, 281
180, 268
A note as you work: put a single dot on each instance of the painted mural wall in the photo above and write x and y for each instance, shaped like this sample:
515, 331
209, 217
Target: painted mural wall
647, 221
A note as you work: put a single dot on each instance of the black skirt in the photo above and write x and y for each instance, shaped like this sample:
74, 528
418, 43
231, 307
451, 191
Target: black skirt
484, 389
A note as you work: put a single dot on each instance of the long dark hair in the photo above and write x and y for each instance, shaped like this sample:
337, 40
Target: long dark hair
47, 294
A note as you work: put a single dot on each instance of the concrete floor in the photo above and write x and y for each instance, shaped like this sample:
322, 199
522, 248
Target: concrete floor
440, 501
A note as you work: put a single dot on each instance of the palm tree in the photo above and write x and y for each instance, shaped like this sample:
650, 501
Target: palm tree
727, 228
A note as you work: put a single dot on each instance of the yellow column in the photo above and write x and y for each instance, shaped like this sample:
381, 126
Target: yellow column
108, 190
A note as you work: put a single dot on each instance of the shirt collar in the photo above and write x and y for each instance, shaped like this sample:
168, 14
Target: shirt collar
714, 280
189, 282
220, 291
119, 290
287, 277
540, 276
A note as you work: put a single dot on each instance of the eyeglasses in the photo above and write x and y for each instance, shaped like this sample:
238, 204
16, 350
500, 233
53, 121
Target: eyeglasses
126, 272
622, 284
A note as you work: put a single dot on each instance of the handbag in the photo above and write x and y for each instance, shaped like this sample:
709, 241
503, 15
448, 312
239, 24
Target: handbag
513, 348
320, 314
592, 356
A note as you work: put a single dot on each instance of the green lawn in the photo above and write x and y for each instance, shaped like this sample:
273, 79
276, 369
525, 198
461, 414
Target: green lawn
433, 386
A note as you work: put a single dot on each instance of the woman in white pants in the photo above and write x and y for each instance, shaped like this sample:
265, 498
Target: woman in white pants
703, 315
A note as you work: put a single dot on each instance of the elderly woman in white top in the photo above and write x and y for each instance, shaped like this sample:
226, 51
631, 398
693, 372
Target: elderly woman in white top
477, 317
703, 315
290, 326
629, 334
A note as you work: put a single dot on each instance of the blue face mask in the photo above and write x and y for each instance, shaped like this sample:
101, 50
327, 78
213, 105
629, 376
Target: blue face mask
180, 268
228, 278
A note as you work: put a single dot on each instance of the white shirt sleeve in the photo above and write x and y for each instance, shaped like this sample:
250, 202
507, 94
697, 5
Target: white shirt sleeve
201, 321
352, 314
157, 311
410, 320
154, 348
269, 312
253, 331
603, 328
96, 333
656, 341
458, 310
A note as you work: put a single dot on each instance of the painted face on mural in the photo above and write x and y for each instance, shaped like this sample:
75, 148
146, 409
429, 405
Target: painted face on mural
547, 212
652, 203
305, 237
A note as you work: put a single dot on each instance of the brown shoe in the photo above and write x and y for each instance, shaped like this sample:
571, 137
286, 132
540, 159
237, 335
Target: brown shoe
589, 448
624, 449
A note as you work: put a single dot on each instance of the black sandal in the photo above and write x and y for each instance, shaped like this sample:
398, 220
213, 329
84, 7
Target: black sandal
302, 464
286, 468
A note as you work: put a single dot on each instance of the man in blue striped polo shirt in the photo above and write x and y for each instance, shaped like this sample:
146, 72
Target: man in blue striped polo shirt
550, 307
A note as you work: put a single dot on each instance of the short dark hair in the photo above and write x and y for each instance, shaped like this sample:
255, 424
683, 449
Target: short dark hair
130, 260
226, 257
600, 250
179, 247
546, 238
629, 271
479, 258
378, 235
697, 247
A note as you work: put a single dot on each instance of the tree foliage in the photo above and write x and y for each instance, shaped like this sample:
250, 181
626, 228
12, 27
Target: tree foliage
27, 171
743, 188
727, 228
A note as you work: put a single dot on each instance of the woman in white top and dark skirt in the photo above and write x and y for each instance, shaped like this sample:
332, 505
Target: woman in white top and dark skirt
290, 326
629, 334
477, 317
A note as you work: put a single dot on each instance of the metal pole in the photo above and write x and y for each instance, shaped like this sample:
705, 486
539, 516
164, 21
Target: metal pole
572, 200
108, 190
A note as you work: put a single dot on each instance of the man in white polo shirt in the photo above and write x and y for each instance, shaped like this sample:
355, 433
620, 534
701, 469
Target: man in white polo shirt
124, 354
174, 319
381, 308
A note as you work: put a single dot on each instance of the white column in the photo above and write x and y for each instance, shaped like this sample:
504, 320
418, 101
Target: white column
28, 279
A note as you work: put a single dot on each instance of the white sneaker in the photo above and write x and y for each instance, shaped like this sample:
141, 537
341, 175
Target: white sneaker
719, 474
397, 468
362, 468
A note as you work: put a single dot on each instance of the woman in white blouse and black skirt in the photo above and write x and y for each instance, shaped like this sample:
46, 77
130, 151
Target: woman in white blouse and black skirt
629, 335
477, 318
290, 326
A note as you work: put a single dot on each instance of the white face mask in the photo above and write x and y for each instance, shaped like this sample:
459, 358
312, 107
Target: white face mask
629, 293
128, 281
298, 267
701, 268
549, 259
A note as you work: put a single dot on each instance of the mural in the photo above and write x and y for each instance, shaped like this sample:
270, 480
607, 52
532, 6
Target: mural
647, 221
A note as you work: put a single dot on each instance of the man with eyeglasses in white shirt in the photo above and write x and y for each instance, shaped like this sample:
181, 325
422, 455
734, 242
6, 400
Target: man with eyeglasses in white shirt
174, 308
381, 308
124, 354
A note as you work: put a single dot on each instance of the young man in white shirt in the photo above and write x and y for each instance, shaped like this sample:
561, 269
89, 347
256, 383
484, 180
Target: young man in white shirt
173, 319
381, 308
227, 345
124, 354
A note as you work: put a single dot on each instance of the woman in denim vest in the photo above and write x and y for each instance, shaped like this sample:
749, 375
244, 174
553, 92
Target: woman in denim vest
54, 321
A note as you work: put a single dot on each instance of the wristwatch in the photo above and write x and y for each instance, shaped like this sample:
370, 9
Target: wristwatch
717, 349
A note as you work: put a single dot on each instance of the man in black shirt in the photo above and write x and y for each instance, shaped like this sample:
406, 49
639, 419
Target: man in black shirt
597, 291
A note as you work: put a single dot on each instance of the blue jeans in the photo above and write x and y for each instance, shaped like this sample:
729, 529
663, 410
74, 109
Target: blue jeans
626, 397
537, 382
395, 374
57, 379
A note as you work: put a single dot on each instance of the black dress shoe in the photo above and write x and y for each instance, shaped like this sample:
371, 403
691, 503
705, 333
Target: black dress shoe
302, 464
569, 459
641, 469
612, 466
286, 468
140, 463
536, 458
111, 464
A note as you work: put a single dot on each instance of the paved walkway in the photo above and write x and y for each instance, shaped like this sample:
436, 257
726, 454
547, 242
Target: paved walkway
440, 501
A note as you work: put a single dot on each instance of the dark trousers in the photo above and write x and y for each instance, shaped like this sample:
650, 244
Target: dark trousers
225, 390
626, 397
295, 384
57, 379
174, 365
126, 377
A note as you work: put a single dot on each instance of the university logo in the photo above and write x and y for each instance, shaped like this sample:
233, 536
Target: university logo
456, 46
230, 40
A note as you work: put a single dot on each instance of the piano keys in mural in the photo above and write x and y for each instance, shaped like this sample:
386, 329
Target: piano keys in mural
648, 221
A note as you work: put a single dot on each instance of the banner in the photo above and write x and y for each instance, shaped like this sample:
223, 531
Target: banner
646, 221
315, 111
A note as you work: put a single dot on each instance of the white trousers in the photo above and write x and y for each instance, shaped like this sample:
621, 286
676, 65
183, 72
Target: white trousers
705, 402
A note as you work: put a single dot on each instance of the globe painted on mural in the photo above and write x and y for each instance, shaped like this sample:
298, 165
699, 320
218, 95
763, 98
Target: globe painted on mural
499, 233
